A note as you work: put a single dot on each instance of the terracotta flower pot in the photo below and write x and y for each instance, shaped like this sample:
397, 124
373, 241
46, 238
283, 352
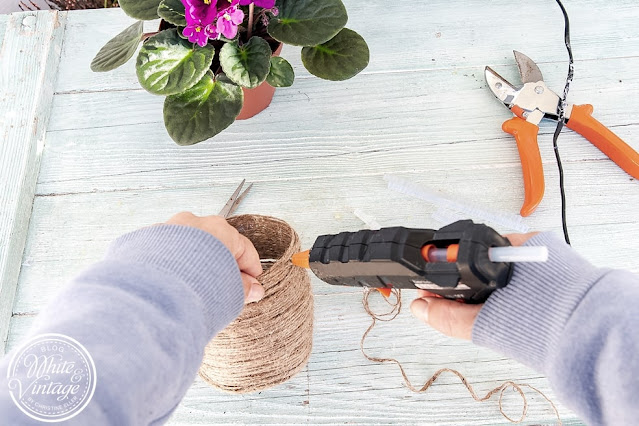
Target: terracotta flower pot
256, 100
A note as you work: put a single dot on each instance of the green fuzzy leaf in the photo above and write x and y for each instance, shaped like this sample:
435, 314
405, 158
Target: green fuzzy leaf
179, 32
307, 22
140, 9
168, 64
340, 58
203, 111
246, 65
173, 11
281, 73
119, 49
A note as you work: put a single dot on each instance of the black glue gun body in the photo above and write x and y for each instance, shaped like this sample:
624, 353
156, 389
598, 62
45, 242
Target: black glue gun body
452, 262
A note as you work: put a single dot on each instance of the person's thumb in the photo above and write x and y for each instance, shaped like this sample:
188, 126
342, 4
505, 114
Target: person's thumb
253, 290
451, 318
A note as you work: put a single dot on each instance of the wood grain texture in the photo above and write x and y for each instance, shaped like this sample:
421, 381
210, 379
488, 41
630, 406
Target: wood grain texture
420, 111
441, 34
29, 55
3, 26
69, 232
413, 119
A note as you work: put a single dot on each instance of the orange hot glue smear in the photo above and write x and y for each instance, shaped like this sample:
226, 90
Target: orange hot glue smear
301, 259
386, 292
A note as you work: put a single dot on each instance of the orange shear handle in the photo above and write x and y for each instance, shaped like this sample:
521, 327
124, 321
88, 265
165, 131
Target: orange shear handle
525, 134
582, 122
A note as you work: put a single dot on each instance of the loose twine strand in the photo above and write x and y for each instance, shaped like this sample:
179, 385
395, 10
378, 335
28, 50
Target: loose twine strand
395, 309
271, 340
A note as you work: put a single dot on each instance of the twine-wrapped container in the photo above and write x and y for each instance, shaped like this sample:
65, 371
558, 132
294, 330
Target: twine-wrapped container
271, 340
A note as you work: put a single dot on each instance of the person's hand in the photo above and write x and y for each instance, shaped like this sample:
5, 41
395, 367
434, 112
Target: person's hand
240, 247
448, 316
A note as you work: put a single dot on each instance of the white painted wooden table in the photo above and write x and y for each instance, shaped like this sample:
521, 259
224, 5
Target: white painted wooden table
85, 158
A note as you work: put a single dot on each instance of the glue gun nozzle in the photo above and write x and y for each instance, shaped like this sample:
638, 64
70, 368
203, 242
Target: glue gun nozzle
301, 259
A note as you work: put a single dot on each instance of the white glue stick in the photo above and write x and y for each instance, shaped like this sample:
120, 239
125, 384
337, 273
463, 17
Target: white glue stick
518, 254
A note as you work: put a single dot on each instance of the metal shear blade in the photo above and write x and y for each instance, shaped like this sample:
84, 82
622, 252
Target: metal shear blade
528, 69
533, 100
231, 205
501, 88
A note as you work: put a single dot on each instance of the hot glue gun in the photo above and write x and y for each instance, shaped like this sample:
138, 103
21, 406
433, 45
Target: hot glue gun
463, 261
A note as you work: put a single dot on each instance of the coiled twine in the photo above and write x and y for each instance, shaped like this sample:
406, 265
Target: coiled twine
271, 340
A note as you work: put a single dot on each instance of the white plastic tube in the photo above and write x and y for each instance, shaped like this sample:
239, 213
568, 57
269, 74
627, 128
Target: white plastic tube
518, 254
449, 205
367, 219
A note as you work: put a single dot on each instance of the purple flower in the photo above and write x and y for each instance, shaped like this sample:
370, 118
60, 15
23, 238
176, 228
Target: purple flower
200, 21
228, 20
266, 4
197, 33
202, 10
207, 19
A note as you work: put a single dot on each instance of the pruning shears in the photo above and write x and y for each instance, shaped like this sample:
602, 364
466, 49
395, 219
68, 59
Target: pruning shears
534, 101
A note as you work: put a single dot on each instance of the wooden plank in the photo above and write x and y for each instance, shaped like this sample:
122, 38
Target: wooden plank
3, 24
318, 153
338, 369
88, 31
71, 231
10, 6
29, 56
19, 328
419, 126
407, 36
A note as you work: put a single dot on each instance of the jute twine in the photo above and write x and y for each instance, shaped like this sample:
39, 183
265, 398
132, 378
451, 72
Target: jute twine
395, 305
271, 340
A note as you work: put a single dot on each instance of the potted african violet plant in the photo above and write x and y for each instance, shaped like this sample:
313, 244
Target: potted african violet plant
209, 54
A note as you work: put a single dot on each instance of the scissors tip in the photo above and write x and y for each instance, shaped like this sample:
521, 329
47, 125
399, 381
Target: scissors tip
235, 200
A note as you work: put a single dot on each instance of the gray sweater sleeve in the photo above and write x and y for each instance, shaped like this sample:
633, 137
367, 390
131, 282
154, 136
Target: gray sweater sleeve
144, 314
574, 323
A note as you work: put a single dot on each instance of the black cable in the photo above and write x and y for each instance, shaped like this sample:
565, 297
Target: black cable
560, 121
